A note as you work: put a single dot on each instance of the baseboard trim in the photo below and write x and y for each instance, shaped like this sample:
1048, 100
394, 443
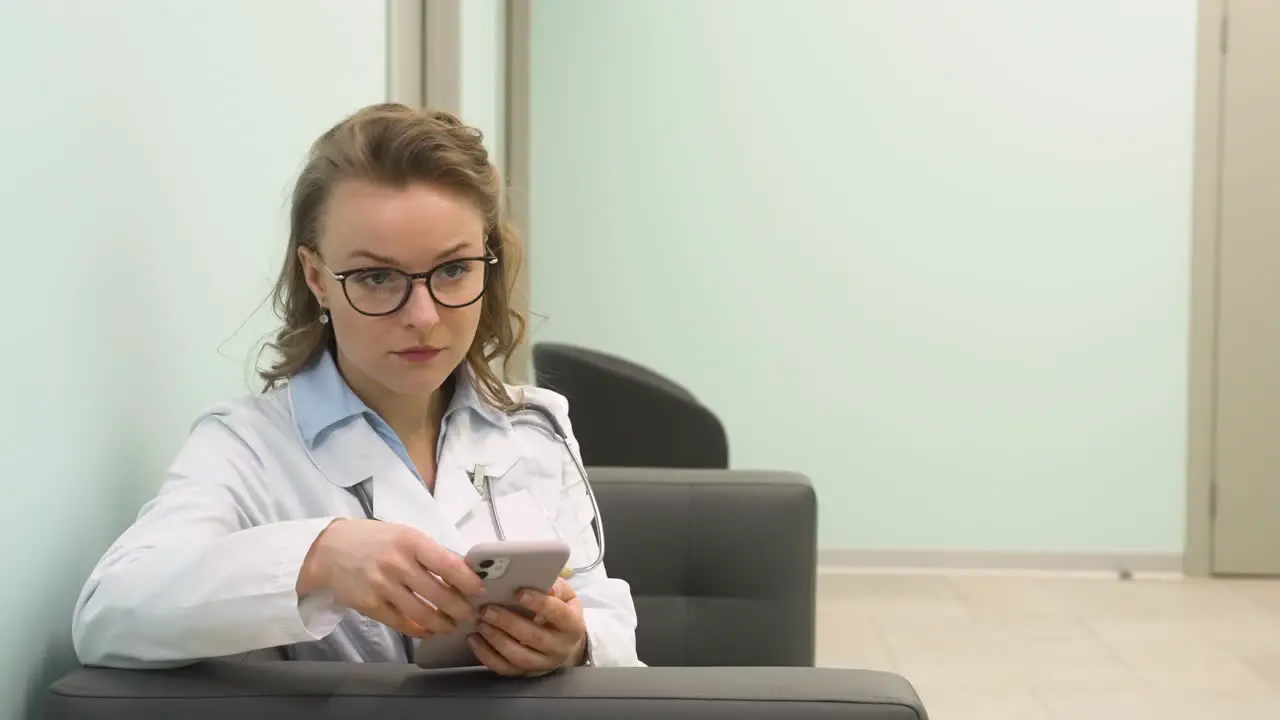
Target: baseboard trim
845, 560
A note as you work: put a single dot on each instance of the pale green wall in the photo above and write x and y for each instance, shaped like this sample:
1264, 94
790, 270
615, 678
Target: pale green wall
149, 148
483, 57
932, 253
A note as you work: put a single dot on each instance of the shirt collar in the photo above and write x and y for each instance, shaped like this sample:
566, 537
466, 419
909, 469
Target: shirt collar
322, 400
467, 397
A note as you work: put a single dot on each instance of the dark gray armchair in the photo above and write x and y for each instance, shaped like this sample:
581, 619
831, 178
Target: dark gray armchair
627, 415
722, 567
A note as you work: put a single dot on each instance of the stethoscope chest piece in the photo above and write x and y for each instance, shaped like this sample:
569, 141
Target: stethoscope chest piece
480, 480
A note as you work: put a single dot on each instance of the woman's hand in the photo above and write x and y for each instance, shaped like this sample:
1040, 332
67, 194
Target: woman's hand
556, 637
393, 574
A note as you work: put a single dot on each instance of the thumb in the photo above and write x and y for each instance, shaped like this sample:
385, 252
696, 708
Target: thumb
563, 591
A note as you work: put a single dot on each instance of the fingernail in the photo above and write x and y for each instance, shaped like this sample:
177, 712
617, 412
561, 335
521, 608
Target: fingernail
490, 614
526, 597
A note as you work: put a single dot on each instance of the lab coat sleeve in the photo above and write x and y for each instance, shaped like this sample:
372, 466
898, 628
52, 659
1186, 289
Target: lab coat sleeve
607, 605
193, 577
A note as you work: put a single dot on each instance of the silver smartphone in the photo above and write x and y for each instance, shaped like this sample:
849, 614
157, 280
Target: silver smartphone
506, 568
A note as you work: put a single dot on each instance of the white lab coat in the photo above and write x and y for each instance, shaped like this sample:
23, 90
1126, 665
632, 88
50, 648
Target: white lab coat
209, 567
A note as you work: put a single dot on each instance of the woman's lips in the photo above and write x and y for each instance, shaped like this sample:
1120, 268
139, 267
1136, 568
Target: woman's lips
418, 354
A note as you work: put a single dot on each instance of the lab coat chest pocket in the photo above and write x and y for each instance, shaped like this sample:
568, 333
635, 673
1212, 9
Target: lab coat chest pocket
525, 495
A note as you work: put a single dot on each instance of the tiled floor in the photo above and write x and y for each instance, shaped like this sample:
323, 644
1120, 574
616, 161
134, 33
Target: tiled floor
1000, 647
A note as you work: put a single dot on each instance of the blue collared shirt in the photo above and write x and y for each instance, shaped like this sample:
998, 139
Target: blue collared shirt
323, 401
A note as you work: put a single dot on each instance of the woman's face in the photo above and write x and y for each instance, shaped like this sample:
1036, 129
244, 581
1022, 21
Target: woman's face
368, 232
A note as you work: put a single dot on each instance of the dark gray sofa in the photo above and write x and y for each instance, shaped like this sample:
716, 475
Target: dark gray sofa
722, 565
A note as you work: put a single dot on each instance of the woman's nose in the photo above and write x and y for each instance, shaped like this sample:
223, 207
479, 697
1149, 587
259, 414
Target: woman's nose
420, 310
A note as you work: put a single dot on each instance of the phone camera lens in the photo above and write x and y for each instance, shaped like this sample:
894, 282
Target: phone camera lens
482, 573
486, 564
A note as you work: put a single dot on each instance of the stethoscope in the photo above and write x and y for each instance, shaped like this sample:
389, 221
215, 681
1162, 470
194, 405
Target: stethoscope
484, 484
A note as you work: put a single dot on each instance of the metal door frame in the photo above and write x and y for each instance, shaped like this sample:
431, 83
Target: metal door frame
1211, 48
424, 69
517, 159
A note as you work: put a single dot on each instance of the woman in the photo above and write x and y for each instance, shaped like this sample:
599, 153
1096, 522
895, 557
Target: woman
328, 515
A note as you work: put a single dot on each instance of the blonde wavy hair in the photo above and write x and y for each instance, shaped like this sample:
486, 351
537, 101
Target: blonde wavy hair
397, 145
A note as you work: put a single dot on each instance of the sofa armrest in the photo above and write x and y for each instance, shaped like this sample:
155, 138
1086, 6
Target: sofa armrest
731, 579
270, 691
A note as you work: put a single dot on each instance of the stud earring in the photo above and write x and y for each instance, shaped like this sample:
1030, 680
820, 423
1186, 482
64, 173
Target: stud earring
324, 317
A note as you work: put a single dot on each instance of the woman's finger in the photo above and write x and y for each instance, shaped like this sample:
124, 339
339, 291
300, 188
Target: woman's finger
445, 563
521, 656
430, 588
563, 590
388, 615
552, 611
525, 631
411, 606
491, 658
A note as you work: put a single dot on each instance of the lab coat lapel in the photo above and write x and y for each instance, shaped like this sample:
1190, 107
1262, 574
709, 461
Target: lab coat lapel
354, 453
455, 493
469, 442
400, 497
345, 455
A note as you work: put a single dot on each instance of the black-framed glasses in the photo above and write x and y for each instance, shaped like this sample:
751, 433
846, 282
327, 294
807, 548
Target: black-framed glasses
383, 290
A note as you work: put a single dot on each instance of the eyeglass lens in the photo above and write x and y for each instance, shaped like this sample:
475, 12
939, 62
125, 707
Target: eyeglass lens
378, 291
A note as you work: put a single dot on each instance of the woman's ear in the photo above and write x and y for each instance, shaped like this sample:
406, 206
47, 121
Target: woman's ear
313, 274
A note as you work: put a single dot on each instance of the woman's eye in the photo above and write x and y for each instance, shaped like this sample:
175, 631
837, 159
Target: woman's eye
374, 278
453, 271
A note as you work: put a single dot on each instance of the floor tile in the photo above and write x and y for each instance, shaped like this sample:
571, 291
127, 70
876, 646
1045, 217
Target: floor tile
1060, 647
